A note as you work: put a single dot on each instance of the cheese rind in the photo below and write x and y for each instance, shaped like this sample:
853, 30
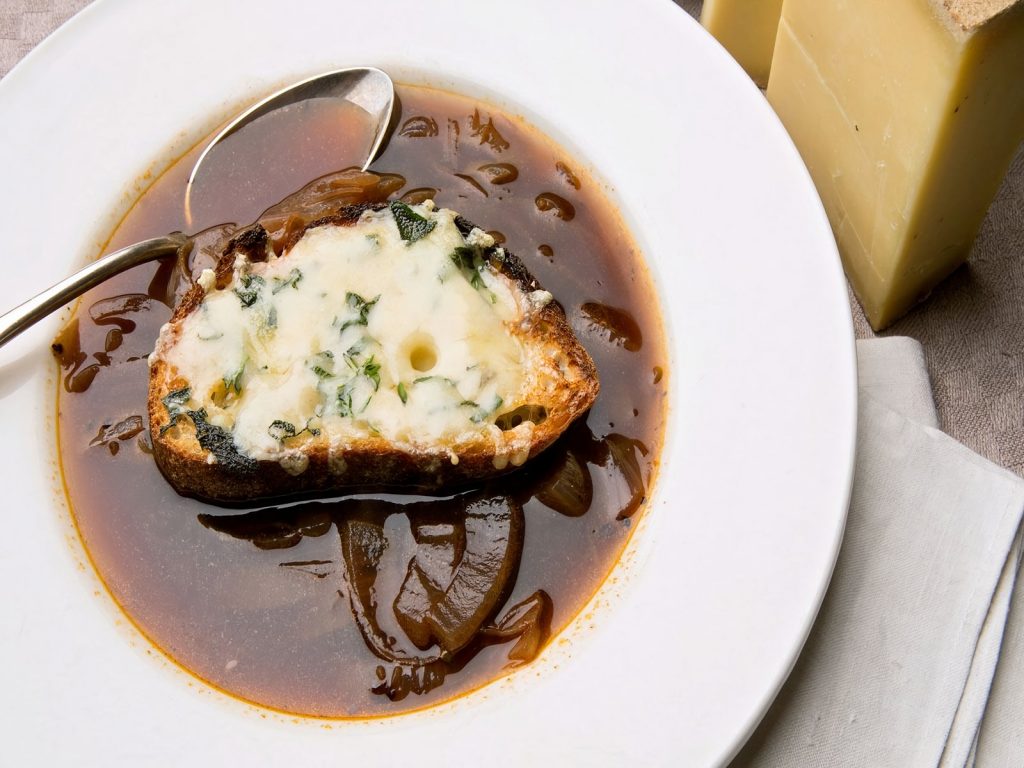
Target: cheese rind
747, 30
970, 14
907, 123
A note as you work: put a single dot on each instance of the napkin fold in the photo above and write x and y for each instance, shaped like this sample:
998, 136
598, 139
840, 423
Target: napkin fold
899, 667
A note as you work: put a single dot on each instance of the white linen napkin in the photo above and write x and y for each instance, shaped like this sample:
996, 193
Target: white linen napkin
900, 664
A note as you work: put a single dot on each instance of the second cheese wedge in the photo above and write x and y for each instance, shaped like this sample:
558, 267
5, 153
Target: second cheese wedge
747, 30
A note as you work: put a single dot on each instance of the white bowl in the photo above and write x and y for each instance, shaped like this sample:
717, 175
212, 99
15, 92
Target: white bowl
688, 643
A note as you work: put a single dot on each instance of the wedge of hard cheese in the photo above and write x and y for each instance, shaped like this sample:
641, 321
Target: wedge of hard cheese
386, 345
747, 30
907, 113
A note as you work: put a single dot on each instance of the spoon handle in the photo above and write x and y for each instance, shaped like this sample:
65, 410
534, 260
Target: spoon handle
24, 315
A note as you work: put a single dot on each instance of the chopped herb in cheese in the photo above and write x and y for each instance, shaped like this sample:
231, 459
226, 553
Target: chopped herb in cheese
233, 381
397, 326
175, 402
292, 279
411, 226
281, 430
249, 291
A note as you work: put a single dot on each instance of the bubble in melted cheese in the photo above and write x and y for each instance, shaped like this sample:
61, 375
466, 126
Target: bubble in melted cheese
356, 332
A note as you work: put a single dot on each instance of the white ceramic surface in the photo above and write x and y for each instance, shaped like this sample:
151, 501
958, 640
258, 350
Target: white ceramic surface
687, 648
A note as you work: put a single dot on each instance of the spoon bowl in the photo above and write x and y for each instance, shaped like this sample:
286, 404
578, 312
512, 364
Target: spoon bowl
368, 88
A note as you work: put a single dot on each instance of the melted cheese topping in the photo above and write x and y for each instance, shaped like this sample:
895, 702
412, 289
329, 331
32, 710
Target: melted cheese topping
356, 332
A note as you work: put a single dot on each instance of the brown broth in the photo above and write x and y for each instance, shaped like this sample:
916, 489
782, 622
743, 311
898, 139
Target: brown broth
294, 607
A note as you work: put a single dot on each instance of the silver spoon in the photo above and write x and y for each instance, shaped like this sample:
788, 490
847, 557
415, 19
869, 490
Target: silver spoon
366, 87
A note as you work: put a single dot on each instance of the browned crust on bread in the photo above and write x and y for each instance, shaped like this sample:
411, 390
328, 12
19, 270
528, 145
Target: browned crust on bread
370, 462
251, 243
190, 301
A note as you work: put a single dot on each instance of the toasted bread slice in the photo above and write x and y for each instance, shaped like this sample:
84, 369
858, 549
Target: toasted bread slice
385, 346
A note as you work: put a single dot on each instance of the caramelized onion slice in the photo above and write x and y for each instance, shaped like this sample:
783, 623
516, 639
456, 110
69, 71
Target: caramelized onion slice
419, 195
363, 544
617, 325
569, 488
440, 546
461, 572
415, 600
484, 576
326, 196
530, 621
419, 127
622, 456
272, 528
